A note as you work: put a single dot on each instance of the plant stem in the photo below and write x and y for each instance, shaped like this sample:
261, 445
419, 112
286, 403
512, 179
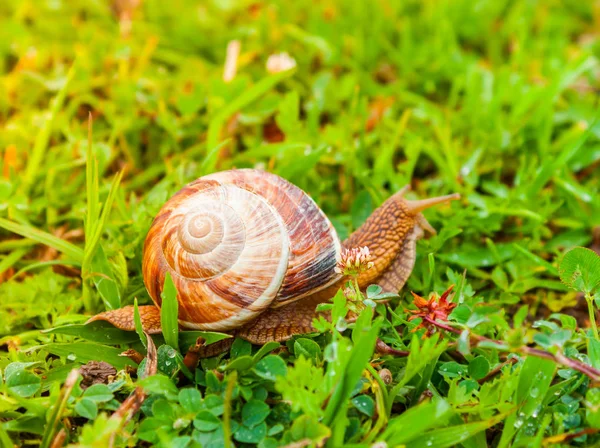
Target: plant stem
559, 358
59, 408
592, 312
231, 381
383, 349
359, 296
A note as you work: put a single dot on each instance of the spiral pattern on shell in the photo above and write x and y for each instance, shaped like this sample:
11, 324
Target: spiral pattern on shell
236, 243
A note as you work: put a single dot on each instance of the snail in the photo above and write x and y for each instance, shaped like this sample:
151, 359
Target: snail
252, 254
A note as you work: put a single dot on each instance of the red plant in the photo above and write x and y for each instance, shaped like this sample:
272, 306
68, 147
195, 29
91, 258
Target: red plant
434, 309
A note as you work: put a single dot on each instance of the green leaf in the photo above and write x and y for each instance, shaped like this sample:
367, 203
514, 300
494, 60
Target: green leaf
421, 361
167, 359
255, 434
479, 367
592, 413
190, 399
268, 347
87, 408
150, 427
305, 427
254, 412
205, 421
160, 384
15, 367
268, 442
580, 270
303, 387
23, 383
270, 367
373, 291
308, 348
242, 363
240, 347
99, 393
214, 404
169, 312
594, 352
163, 409
364, 404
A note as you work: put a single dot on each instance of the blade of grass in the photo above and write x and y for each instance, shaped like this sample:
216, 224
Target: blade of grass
187, 338
452, 436
10, 245
91, 169
102, 276
209, 162
554, 164
361, 353
43, 264
416, 421
59, 408
169, 310
139, 329
43, 137
534, 381
87, 351
90, 247
48, 239
4, 437
12, 258
537, 260
99, 332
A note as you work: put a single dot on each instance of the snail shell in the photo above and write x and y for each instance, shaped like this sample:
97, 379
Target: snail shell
236, 243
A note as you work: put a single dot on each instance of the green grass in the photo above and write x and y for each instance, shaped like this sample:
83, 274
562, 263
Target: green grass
494, 99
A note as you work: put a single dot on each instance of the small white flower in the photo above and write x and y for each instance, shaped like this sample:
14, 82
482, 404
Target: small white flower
354, 261
280, 62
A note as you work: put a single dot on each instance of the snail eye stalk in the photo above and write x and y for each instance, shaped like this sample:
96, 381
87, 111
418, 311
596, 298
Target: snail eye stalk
415, 207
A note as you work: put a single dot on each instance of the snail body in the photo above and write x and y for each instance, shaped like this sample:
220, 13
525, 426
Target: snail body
253, 254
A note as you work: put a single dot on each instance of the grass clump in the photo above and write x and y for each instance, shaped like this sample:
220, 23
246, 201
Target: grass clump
496, 100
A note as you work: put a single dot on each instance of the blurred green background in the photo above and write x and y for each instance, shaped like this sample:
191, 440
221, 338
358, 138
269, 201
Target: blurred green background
350, 100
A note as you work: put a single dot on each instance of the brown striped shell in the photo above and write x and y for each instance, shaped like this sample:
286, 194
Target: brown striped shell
236, 243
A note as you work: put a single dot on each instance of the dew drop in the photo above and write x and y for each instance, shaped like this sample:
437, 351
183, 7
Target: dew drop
341, 324
535, 392
330, 352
